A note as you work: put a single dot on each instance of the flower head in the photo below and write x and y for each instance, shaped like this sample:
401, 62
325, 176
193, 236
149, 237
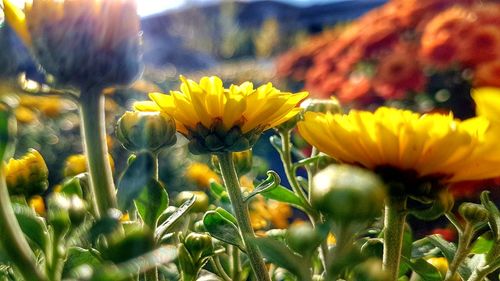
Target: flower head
28, 175
432, 145
77, 164
217, 119
81, 42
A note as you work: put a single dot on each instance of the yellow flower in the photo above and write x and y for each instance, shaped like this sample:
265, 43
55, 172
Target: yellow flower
37, 204
27, 175
432, 145
201, 174
218, 119
25, 115
77, 164
487, 103
81, 42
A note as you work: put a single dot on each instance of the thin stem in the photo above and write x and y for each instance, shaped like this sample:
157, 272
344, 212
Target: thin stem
13, 240
235, 265
453, 219
394, 223
215, 262
462, 251
241, 211
152, 274
94, 142
55, 267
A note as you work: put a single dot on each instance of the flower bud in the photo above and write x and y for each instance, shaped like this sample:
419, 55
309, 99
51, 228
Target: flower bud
199, 245
201, 202
370, 270
77, 164
303, 239
473, 213
331, 105
145, 130
28, 175
243, 161
58, 212
77, 210
82, 43
347, 193
37, 204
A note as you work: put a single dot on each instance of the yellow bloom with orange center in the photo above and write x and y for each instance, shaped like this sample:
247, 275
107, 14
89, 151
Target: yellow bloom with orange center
218, 119
81, 42
430, 145
201, 174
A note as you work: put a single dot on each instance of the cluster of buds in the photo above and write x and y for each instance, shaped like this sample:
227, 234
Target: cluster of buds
194, 252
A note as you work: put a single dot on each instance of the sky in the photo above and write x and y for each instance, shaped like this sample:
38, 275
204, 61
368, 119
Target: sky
149, 7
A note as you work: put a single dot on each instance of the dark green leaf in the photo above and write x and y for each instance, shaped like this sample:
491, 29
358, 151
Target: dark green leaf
170, 221
227, 215
494, 214
282, 194
105, 225
223, 229
77, 257
151, 203
447, 248
135, 179
32, 225
424, 269
279, 254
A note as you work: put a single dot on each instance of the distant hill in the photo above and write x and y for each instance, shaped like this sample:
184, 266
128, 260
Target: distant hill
198, 37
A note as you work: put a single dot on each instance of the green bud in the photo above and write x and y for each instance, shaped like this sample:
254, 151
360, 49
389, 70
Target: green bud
145, 130
303, 239
331, 105
201, 202
278, 234
28, 175
347, 193
243, 161
199, 245
199, 226
370, 270
473, 213
77, 210
135, 242
58, 212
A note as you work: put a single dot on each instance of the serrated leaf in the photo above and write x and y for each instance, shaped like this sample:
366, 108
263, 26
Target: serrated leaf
77, 257
223, 229
151, 203
282, 194
32, 226
170, 221
135, 178
279, 254
424, 269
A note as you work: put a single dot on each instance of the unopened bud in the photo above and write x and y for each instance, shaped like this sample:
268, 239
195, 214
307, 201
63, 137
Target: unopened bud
199, 245
201, 202
28, 175
331, 105
303, 239
473, 213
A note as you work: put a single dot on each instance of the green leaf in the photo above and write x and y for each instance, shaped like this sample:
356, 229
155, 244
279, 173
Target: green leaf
151, 203
227, 215
135, 178
219, 192
279, 254
170, 221
447, 248
77, 257
7, 132
282, 194
125, 270
32, 226
105, 225
424, 269
483, 244
273, 180
494, 214
423, 248
72, 187
223, 229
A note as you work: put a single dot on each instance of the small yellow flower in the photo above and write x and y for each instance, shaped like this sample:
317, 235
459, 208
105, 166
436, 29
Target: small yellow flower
441, 264
218, 119
431, 145
25, 115
81, 42
37, 204
201, 174
77, 164
27, 175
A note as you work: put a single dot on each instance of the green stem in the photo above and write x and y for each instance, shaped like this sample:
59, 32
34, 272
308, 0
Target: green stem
152, 274
55, 267
13, 240
241, 211
235, 266
462, 251
96, 150
215, 262
394, 223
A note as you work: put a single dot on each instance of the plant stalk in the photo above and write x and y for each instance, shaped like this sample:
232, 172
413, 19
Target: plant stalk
96, 150
240, 209
462, 251
13, 239
394, 223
